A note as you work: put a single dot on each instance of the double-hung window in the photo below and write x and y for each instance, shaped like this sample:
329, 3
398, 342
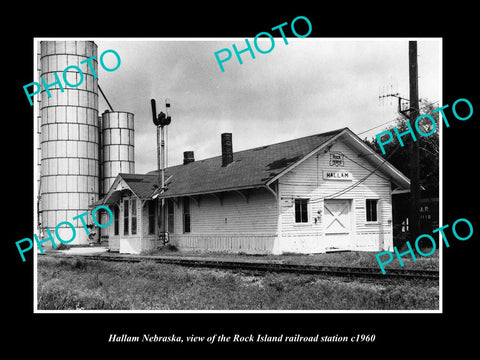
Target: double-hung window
126, 209
301, 210
116, 214
371, 209
151, 217
186, 214
129, 217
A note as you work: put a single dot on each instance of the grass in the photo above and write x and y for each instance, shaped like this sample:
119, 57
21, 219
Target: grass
69, 284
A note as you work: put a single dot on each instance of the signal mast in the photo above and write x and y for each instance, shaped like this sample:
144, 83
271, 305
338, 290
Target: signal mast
161, 120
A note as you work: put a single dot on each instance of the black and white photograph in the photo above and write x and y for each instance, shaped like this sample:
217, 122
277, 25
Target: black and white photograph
298, 179
237, 189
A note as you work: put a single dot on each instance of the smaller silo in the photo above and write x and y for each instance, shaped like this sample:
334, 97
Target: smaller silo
117, 155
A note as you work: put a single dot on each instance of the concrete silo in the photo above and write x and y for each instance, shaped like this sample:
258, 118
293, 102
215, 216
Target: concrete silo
69, 136
117, 147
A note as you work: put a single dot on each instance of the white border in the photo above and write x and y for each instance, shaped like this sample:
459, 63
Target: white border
35, 187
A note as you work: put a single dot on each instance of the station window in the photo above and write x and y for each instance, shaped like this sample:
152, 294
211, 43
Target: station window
116, 214
170, 215
134, 216
125, 217
151, 217
186, 214
371, 207
301, 210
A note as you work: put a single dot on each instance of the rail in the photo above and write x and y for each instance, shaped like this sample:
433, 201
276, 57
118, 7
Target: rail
264, 266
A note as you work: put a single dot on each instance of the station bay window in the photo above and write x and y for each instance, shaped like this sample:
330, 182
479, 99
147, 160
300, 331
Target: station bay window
134, 216
125, 216
129, 216
116, 214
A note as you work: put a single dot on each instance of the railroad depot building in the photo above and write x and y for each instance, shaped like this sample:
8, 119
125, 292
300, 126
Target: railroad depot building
325, 192
318, 193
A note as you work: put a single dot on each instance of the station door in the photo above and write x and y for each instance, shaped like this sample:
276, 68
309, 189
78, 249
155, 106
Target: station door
337, 222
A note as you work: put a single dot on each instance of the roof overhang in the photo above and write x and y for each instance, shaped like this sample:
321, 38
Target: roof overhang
364, 151
166, 195
314, 151
118, 188
400, 191
396, 176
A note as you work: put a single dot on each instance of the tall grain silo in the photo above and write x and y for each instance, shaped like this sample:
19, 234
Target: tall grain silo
38, 139
118, 146
69, 174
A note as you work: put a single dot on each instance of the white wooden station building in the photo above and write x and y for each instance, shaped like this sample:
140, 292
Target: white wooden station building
320, 193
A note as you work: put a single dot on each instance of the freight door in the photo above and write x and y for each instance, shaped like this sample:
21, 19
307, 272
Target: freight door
337, 225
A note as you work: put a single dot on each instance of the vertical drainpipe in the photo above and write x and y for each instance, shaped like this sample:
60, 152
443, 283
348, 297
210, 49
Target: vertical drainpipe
278, 246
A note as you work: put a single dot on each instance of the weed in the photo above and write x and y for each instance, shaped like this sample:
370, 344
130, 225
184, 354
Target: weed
62, 246
79, 264
69, 284
159, 250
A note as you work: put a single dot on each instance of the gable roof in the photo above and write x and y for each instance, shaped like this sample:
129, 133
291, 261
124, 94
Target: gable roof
257, 167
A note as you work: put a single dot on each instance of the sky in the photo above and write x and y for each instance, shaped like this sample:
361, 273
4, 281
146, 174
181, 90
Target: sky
305, 87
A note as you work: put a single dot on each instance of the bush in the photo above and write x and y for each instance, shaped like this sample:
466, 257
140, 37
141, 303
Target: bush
400, 239
79, 264
171, 247
63, 246
159, 250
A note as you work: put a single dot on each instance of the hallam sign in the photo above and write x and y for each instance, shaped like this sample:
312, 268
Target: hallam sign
337, 175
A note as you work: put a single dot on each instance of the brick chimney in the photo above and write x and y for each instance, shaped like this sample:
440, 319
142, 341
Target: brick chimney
227, 149
188, 157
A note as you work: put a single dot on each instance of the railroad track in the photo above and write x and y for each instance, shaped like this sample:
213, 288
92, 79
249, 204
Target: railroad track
264, 266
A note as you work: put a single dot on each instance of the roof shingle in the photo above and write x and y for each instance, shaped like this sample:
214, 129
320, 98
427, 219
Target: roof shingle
250, 168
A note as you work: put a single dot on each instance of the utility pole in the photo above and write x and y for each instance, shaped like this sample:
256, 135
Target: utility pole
415, 153
411, 113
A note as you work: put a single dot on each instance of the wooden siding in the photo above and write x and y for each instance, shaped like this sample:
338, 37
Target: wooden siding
255, 222
137, 244
245, 243
128, 243
229, 222
230, 214
306, 181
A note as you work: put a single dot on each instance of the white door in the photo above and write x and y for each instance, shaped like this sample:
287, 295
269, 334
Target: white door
337, 225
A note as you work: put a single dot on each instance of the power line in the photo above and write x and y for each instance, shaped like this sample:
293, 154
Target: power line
313, 184
361, 165
396, 119
389, 121
348, 188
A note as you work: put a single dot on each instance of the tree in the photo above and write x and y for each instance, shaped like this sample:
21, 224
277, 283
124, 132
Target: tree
429, 149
